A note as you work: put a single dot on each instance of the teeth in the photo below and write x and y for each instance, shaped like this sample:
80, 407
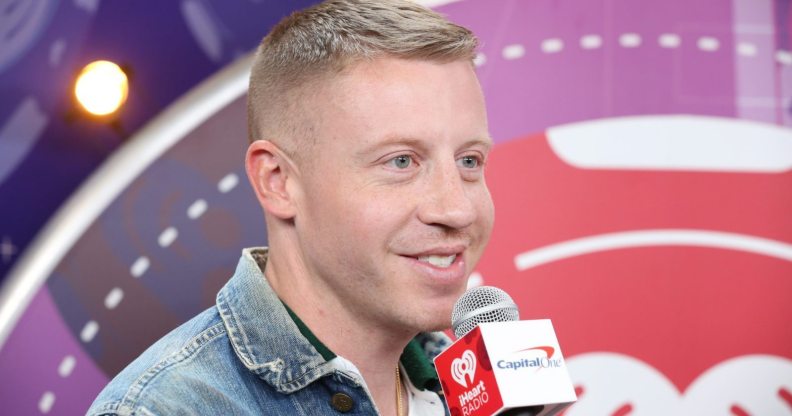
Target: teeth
439, 261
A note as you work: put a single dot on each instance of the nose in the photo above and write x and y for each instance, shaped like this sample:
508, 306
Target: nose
448, 199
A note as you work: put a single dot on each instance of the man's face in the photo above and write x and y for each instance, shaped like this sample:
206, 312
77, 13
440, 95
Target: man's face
393, 212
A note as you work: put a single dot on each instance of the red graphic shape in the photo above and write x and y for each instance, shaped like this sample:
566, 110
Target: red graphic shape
634, 301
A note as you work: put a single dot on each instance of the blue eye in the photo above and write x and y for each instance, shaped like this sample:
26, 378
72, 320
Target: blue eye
401, 161
469, 162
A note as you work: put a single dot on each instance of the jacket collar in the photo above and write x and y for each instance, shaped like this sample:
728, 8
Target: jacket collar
272, 342
266, 340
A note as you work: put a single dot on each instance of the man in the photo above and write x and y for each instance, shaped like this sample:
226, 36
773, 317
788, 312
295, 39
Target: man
368, 142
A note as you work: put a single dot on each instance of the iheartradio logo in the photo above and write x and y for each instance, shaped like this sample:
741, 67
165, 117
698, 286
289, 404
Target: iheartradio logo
464, 366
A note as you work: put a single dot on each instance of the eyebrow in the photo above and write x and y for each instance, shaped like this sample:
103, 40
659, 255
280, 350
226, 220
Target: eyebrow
486, 142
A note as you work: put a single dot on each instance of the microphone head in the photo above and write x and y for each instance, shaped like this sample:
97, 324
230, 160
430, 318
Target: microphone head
482, 304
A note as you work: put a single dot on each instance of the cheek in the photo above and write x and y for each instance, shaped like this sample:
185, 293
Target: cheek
376, 214
358, 215
485, 209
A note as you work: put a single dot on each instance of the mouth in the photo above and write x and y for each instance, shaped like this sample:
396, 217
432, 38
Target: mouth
445, 267
439, 261
442, 260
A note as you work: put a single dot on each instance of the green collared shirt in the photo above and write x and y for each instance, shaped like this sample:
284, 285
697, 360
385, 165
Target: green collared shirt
416, 365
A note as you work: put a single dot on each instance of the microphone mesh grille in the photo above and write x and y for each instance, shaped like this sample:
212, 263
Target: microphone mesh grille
482, 304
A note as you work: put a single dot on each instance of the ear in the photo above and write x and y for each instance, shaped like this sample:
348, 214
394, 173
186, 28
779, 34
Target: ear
269, 170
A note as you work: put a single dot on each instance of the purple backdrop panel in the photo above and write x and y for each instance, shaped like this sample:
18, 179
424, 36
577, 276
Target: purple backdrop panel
43, 363
546, 63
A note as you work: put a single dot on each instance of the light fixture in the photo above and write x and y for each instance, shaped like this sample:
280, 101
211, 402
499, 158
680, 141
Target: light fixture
101, 88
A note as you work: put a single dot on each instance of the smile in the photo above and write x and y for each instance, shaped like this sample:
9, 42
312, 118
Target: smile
439, 261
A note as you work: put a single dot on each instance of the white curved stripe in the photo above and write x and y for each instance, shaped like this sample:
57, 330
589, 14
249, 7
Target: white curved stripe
474, 280
109, 180
675, 142
650, 238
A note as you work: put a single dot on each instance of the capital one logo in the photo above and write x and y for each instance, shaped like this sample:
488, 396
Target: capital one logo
531, 361
464, 366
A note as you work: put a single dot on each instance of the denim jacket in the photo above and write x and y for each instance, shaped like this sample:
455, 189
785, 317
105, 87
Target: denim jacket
248, 356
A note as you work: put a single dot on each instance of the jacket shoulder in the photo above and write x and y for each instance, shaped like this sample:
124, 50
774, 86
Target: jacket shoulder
171, 375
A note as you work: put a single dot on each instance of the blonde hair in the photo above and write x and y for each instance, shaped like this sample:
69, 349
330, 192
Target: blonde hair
323, 40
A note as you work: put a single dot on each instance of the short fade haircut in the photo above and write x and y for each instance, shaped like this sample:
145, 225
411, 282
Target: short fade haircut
325, 39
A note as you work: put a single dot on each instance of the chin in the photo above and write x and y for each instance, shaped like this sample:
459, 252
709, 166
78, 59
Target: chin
439, 327
438, 319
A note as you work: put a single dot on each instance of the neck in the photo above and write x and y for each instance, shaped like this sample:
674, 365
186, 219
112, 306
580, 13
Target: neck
372, 346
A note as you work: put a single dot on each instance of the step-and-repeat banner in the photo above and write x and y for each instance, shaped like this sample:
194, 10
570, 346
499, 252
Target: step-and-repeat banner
642, 178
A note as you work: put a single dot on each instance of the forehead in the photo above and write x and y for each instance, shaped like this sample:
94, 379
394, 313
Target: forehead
387, 97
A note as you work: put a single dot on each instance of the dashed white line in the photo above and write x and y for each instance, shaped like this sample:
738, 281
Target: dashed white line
590, 42
669, 40
480, 59
139, 266
784, 57
630, 40
89, 331
746, 49
228, 183
167, 237
708, 43
66, 366
113, 298
553, 45
197, 209
515, 51
46, 402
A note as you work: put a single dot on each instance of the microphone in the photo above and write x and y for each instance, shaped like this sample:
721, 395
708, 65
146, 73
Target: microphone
500, 365
479, 305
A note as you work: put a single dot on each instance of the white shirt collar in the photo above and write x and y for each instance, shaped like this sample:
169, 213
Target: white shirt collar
420, 402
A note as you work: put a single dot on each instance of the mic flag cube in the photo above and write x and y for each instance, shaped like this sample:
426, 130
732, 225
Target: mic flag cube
506, 365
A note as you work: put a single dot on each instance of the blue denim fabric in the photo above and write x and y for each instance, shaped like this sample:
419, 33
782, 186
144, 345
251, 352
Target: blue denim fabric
245, 356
